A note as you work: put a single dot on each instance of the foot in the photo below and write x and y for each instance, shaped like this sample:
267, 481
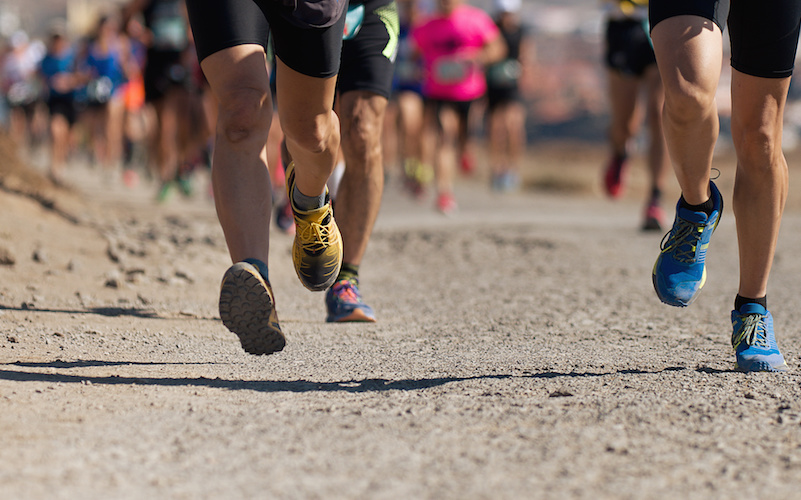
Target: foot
317, 249
344, 303
247, 308
446, 203
680, 271
614, 176
753, 340
654, 217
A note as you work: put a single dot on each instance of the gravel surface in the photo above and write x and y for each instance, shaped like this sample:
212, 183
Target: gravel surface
520, 352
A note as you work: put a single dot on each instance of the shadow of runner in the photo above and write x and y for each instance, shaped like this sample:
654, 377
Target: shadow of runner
352, 386
110, 311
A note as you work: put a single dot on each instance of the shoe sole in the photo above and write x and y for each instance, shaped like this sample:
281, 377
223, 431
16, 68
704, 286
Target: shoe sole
761, 366
246, 307
357, 316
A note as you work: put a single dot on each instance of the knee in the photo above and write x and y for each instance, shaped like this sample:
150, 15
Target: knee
361, 135
245, 116
757, 146
689, 102
315, 134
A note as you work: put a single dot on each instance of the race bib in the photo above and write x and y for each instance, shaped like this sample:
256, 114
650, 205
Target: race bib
450, 71
504, 74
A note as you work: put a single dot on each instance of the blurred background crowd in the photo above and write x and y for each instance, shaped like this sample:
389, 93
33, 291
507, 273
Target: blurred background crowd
116, 84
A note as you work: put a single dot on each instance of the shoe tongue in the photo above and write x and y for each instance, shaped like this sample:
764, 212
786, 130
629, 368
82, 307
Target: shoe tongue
752, 308
691, 216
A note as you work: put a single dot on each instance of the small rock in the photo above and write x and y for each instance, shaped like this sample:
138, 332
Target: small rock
40, 256
113, 280
6, 257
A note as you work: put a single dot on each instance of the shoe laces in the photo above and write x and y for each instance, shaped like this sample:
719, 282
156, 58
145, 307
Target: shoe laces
346, 290
752, 331
683, 240
313, 236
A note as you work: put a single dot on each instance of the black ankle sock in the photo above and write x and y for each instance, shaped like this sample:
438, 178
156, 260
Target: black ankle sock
707, 207
348, 271
740, 301
656, 195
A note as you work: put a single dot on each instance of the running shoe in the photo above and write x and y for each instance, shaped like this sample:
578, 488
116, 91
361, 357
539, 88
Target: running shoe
344, 303
467, 163
317, 249
614, 176
417, 176
753, 340
654, 217
247, 308
446, 203
505, 182
680, 270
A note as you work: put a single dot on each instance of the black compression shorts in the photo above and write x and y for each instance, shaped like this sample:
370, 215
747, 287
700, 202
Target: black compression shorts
368, 59
763, 34
628, 48
218, 25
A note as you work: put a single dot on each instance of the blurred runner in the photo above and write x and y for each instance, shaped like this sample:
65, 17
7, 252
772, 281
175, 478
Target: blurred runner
104, 66
19, 84
405, 111
632, 74
165, 80
456, 44
58, 70
507, 114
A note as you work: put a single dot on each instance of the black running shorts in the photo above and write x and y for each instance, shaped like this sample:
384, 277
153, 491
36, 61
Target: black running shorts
368, 59
763, 34
628, 47
218, 25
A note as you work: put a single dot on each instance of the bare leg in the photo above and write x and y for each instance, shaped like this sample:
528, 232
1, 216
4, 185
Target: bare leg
410, 107
445, 157
239, 79
310, 125
689, 52
624, 111
761, 184
359, 198
515, 123
658, 160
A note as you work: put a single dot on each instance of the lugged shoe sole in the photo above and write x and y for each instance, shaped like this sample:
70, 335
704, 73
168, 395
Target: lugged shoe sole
247, 309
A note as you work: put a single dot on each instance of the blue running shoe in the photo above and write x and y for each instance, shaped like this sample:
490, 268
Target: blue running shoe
754, 342
345, 304
680, 271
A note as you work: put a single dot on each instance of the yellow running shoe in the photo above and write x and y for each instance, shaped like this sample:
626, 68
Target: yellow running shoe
247, 308
317, 249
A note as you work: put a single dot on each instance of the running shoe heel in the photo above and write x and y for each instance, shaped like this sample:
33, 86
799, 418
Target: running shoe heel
247, 308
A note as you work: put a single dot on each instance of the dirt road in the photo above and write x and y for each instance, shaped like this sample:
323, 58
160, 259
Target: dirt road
520, 353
